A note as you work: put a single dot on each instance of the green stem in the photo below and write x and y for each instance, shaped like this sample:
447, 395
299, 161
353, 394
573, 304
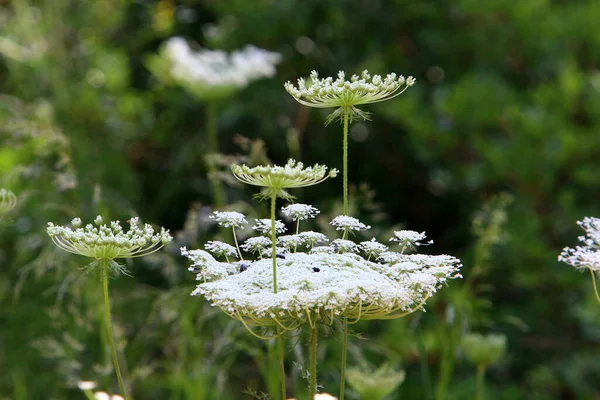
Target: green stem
236, 244
344, 356
109, 329
280, 347
595, 287
480, 383
212, 132
280, 357
273, 242
345, 164
314, 337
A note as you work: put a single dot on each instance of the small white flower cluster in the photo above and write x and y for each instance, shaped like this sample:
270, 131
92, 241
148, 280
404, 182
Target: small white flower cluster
220, 249
345, 95
588, 254
108, 241
346, 224
322, 283
408, 240
264, 226
299, 212
229, 219
214, 73
8, 201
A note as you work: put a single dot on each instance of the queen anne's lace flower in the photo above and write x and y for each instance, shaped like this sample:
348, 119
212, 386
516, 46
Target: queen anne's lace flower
256, 245
311, 238
229, 219
264, 226
343, 246
8, 201
588, 254
206, 267
345, 95
290, 242
346, 223
408, 240
108, 242
372, 248
299, 212
321, 287
275, 179
220, 249
212, 74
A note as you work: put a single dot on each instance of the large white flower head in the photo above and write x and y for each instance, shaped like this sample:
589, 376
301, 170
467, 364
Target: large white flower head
212, 74
588, 254
275, 179
8, 201
108, 241
319, 285
345, 95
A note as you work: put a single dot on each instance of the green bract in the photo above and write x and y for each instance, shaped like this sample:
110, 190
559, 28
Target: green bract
276, 179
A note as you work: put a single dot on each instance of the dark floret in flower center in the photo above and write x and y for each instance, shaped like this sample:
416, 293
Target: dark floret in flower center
316, 269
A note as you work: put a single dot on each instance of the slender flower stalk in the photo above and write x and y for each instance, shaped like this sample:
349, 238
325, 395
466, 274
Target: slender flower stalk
212, 132
314, 340
480, 383
109, 327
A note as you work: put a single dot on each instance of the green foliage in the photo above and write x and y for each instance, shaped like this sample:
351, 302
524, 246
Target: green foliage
506, 100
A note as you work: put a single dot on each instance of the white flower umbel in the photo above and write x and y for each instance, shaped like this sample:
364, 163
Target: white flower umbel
212, 74
345, 95
408, 240
263, 226
8, 201
205, 266
299, 212
275, 179
233, 220
108, 241
221, 249
311, 238
343, 246
229, 219
587, 255
372, 248
86, 385
290, 242
256, 245
347, 224
319, 288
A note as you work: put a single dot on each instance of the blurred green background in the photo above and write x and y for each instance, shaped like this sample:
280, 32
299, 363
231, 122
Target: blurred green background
494, 152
